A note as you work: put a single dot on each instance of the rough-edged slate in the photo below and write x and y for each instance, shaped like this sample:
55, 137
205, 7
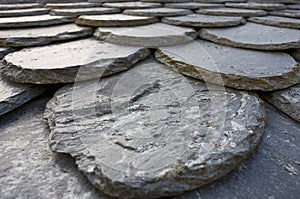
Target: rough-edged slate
287, 100
294, 6
158, 12
29, 169
151, 132
109, 1
284, 22
42, 35
167, 1
34, 21
220, 1
84, 11
193, 5
261, 6
198, 20
17, 1
132, 5
287, 13
153, 35
254, 36
238, 68
231, 12
72, 5
60, 63
23, 12
114, 20
19, 6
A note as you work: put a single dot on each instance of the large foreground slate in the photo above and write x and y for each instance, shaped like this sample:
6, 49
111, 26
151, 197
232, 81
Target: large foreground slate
60, 63
238, 68
151, 132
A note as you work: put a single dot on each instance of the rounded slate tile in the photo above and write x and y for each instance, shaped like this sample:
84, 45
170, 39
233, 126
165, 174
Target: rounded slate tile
42, 35
19, 6
284, 22
260, 6
71, 5
153, 35
114, 20
220, 1
287, 100
150, 132
287, 13
34, 21
294, 6
60, 63
23, 12
158, 12
254, 36
84, 11
132, 5
231, 12
193, 5
198, 20
238, 68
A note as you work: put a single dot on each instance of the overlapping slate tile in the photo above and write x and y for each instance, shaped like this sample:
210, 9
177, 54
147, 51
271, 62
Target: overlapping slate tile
262, 6
17, 1
42, 35
198, 20
287, 13
220, 1
113, 20
284, 22
34, 21
193, 5
60, 63
238, 68
254, 36
287, 100
84, 11
23, 12
19, 6
109, 1
132, 5
294, 6
71, 5
158, 12
232, 12
167, 1
153, 35
151, 132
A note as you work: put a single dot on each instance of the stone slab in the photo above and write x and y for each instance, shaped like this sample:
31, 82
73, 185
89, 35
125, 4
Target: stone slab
198, 20
158, 12
23, 12
42, 35
151, 132
167, 1
74, 61
284, 22
233, 67
19, 6
294, 6
16, 1
260, 6
109, 1
84, 11
71, 5
132, 5
254, 36
193, 5
232, 12
220, 1
152, 35
287, 13
114, 20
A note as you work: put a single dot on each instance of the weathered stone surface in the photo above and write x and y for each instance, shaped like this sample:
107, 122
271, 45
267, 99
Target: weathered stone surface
220, 1
231, 12
285, 22
294, 6
109, 1
28, 167
287, 13
33, 21
19, 6
158, 12
84, 11
114, 20
254, 36
16, 1
167, 1
152, 35
132, 5
92, 57
42, 35
198, 20
71, 5
193, 5
287, 100
253, 5
151, 132
238, 68
23, 12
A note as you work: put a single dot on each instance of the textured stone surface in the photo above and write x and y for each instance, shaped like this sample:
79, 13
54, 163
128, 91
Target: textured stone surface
19, 6
33, 21
252, 5
71, 5
113, 20
109, 1
17, 1
255, 36
92, 57
287, 13
42, 35
287, 100
220, 1
238, 68
158, 12
153, 133
28, 168
83, 11
294, 6
193, 5
198, 20
167, 1
284, 22
132, 5
231, 12
152, 35
23, 12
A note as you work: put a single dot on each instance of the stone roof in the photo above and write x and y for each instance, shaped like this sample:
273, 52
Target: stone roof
149, 99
